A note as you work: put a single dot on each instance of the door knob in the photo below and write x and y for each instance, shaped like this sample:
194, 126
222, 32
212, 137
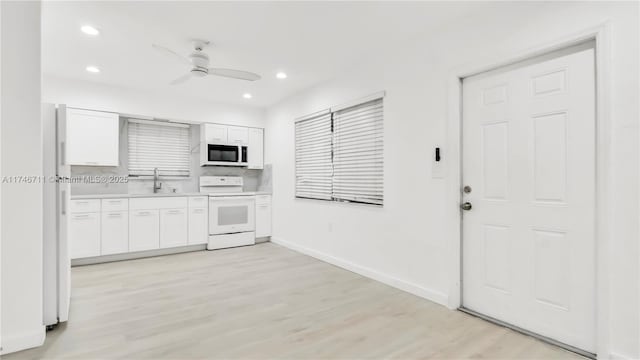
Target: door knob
466, 206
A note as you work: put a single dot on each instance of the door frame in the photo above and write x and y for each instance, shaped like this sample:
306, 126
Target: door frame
601, 35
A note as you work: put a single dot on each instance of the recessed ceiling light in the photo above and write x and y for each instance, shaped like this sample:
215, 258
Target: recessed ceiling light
247, 96
90, 30
281, 75
93, 69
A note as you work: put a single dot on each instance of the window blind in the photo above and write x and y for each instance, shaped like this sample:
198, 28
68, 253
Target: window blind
313, 156
358, 153
158, 145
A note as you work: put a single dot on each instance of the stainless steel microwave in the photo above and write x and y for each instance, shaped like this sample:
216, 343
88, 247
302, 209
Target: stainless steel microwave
223, 154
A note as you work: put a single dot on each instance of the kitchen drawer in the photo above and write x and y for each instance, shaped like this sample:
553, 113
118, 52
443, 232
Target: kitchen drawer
263, 199
85, 206
198, 201
171, 202
115, 204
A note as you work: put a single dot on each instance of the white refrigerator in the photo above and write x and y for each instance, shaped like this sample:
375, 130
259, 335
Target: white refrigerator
57, 262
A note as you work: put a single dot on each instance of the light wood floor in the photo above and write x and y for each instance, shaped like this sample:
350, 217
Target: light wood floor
262, 302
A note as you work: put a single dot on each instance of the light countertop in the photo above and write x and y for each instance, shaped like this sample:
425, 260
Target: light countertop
146, 195
244, 193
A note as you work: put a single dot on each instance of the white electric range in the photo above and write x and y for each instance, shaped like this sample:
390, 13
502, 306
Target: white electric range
231, 212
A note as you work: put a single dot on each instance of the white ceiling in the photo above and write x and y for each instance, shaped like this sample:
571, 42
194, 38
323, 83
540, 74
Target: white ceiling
310, 41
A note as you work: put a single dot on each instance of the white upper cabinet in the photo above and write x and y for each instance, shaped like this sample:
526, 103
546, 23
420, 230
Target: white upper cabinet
256, 149
213, 133
252, 138
238, 135
92, 138
224, 134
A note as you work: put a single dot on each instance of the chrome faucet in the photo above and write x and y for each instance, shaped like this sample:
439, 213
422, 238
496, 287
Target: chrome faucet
157, 185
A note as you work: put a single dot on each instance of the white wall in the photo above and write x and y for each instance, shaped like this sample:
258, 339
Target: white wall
95, 96
407, 243
21, 151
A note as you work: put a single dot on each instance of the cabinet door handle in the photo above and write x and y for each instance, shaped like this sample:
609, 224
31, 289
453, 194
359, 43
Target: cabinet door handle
81, 216
175, 211
63, 203
144, 213
115, 214
62, 153
198, 211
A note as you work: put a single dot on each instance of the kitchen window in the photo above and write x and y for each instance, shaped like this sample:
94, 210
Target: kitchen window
339, 153
153, 144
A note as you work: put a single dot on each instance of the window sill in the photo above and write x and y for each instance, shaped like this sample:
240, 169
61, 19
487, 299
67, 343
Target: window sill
340, 201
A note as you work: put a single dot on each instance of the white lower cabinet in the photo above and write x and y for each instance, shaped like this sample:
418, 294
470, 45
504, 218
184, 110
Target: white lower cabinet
121, 225
84, 235
198, 226
115, 232
263, 216
173, 227
144, 230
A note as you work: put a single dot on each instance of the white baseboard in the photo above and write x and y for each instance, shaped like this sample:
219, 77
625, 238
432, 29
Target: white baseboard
429, 294
616, 356
137, 255
13, 343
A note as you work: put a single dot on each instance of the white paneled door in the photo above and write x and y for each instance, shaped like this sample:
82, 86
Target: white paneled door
529, 180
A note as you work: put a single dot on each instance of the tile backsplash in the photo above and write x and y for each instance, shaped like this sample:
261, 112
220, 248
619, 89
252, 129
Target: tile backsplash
254, 180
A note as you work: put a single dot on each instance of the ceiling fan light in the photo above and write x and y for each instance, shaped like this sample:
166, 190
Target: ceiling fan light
198, 72
247, 96
281, 75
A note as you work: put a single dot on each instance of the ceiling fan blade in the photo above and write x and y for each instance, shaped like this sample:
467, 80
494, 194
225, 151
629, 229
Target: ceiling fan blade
235, 74
172, 53
181, 79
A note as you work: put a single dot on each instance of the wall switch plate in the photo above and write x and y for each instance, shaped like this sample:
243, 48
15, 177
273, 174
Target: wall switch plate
437, 163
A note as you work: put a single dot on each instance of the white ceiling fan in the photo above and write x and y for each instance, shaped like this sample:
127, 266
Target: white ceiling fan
199, 63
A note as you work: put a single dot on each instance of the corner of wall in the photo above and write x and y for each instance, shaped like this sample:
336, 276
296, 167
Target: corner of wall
21, 324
